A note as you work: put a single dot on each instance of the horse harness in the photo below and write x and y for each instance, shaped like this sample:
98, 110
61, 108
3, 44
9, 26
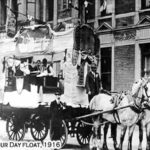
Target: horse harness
135, 107
115, 112
144, 99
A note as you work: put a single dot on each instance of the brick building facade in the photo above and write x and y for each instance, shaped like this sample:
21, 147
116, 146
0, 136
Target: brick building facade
124, 36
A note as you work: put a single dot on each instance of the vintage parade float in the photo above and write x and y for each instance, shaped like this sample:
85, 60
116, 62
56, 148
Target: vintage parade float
26, 94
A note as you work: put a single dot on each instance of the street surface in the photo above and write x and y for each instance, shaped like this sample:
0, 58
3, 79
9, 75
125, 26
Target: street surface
72, 143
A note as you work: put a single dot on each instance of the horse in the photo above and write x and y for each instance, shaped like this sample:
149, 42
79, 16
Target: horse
130, 114
145, 120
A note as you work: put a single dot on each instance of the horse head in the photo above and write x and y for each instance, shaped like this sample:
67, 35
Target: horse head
146, 89
141, 91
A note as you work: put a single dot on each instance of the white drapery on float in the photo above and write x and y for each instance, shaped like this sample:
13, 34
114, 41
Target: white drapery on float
73, 95
28, 43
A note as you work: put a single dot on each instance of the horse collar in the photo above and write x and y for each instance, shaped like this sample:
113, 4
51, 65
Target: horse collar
135, 107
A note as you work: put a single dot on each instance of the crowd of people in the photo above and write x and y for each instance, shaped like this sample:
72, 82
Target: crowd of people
27, 72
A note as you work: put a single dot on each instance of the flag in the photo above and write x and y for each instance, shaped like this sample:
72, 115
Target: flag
103, 6
11, 24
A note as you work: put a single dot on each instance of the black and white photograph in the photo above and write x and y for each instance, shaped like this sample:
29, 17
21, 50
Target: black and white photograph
75, 74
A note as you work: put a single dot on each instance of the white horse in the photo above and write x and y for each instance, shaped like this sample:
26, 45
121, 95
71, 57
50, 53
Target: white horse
129, 116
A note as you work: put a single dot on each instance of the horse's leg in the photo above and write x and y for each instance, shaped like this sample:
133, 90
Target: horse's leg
122, 135
140, 124
114, 135
105, 136
94, 140
130, 134
148, 136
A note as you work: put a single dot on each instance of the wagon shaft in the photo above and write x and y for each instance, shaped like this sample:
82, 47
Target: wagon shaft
101, 112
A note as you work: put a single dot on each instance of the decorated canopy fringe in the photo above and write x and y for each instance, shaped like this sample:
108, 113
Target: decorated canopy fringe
37, 39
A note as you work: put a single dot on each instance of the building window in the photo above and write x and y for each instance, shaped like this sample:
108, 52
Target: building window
35, 8
50, 9
65, 4
63, 11
31, 8
2, 12
90, 12
106, 68
125, 21
145, 4
124, 6
145, 51
62, 5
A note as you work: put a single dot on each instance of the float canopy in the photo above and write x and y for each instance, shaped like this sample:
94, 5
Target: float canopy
37, 39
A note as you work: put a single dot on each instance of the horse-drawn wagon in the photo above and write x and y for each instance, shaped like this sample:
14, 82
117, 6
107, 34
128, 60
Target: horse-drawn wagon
21, 96
26, 94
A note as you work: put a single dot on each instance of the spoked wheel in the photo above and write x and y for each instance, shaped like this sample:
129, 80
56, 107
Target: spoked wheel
59, 133
15, 129
83, 133
39, 128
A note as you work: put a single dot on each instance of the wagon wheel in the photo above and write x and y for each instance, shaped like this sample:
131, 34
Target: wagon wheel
15, 129
83, 133
63, 135
39, 128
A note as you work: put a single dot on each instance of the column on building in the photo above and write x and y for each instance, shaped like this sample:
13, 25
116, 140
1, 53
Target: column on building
112, 66
113, 15
75, 13
97, 13
113, 49
38, 9
55, 13
44, 10
137, 8
1, 16
137, 61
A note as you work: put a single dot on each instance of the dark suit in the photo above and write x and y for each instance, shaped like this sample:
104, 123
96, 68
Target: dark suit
92, 84
56, 120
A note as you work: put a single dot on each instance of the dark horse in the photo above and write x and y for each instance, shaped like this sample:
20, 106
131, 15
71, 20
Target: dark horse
129, 116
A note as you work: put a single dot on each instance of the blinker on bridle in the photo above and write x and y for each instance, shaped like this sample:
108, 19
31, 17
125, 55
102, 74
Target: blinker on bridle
146, 89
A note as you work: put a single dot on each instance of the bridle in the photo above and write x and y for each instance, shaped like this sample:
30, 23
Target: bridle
146, 89
144, 97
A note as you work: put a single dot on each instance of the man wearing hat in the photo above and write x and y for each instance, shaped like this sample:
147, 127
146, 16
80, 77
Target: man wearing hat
93, 82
